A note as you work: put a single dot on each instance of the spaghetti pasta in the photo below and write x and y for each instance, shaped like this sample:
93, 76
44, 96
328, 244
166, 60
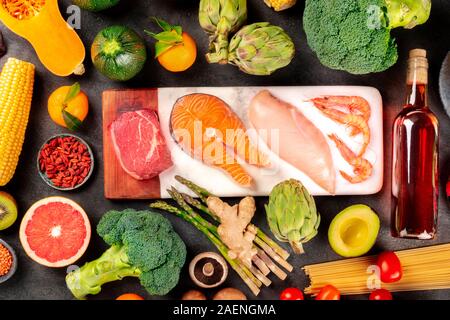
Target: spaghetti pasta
425, 268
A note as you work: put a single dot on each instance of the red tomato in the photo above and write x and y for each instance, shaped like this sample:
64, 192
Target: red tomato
291, 294
390, 267
380, 294
130, 296
329, 292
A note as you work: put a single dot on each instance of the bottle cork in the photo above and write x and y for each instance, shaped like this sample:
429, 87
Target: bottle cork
418, 53
417, 67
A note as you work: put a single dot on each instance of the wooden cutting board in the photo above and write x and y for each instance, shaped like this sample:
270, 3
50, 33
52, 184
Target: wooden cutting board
118, 184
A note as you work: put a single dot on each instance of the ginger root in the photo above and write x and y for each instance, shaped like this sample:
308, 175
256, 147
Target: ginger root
234, 230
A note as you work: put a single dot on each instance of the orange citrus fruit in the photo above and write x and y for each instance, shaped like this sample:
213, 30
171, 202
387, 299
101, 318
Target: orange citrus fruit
180, 57
130, 296
77, 107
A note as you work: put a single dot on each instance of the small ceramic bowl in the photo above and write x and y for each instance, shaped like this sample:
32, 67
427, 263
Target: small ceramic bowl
49, 181
14, 262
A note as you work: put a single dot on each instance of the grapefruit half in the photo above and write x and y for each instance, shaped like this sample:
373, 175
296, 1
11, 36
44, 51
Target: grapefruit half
55, 232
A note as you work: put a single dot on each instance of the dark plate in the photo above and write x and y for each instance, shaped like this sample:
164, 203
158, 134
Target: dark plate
444, 83
14, 263
44, 176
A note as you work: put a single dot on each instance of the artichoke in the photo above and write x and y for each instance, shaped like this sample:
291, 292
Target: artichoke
260, 49
292, 214
220, 18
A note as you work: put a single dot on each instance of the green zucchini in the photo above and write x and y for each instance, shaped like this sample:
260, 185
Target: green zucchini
119, 53
95, 5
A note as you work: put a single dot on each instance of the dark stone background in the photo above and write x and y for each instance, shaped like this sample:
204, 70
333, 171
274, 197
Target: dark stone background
33, 281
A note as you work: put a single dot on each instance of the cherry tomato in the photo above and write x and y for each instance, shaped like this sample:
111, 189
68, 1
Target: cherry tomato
130, 296
380, 294
291, 294
329, 292
390, 267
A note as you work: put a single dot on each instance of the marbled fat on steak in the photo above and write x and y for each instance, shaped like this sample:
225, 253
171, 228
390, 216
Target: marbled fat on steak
139, 144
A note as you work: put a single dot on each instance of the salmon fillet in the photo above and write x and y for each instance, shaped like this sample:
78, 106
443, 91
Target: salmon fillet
206, 128
298, 141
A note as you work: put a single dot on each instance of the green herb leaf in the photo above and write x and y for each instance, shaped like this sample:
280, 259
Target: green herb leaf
161, 47
178, 29
72, 122
162, 24
74, 90
168, 37
171, 36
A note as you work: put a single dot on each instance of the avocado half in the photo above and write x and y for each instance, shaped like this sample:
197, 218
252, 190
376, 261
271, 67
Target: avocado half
354, 230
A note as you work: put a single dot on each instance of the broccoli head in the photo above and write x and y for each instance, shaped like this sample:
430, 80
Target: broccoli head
355, 35
143, 244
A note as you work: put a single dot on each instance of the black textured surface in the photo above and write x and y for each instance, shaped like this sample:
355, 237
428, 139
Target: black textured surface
33, 281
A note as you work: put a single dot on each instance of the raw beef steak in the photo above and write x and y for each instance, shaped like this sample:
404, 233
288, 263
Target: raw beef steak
139, 144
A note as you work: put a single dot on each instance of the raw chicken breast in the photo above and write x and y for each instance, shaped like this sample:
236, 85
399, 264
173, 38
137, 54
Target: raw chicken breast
300, 143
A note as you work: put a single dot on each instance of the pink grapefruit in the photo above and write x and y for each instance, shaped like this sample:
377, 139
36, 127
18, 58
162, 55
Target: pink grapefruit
55, 232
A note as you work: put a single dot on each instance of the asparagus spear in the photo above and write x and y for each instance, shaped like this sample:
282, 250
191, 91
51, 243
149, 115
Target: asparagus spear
199, 191
247, 276
200, 206
263, 262
257, 272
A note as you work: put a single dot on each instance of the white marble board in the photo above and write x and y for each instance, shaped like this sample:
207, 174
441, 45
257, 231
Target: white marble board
238, 98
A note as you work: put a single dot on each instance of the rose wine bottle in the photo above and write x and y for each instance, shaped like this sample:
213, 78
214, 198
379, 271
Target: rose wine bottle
415, 158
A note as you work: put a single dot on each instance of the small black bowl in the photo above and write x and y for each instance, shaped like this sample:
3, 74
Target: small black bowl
44, 176
14, 262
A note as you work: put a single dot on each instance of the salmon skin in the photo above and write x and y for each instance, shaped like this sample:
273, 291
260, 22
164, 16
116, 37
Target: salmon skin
300, 142
206, 128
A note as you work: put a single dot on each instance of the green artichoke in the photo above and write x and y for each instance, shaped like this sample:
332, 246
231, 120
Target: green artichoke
292, 214
220, 18
260, 49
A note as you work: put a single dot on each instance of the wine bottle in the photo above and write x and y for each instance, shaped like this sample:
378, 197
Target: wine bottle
415, 157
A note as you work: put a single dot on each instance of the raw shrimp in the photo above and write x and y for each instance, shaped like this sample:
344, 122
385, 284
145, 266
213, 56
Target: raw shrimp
361, 167
355, 104
351, 120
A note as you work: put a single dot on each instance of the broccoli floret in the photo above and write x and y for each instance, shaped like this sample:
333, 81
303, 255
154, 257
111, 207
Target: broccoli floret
143, 244
355, 35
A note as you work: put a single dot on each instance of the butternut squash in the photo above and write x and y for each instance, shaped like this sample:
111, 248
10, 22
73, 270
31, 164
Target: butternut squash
57, 45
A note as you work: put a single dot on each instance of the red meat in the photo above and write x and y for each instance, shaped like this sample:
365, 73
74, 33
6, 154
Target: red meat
139, 144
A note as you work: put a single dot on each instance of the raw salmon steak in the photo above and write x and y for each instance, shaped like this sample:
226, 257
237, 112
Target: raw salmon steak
206, 128
299, 141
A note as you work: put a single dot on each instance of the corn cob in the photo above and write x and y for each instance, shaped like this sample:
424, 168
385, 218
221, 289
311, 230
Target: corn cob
16, 90
279, 5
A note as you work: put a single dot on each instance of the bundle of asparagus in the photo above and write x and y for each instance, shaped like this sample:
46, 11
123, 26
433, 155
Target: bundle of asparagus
254, 272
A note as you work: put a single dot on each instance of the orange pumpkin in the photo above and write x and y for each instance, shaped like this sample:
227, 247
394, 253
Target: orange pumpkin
40, 22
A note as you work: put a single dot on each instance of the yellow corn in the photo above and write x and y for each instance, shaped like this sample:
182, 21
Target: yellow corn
279, 5
16, 90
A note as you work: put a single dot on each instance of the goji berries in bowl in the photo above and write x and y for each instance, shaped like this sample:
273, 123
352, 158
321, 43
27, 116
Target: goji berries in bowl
8, 261
65, 162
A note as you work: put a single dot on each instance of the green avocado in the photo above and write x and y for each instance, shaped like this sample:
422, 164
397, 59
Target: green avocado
95, 5
354, 230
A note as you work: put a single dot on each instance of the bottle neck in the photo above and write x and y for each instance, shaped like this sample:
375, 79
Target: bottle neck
417, 83
417, 96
